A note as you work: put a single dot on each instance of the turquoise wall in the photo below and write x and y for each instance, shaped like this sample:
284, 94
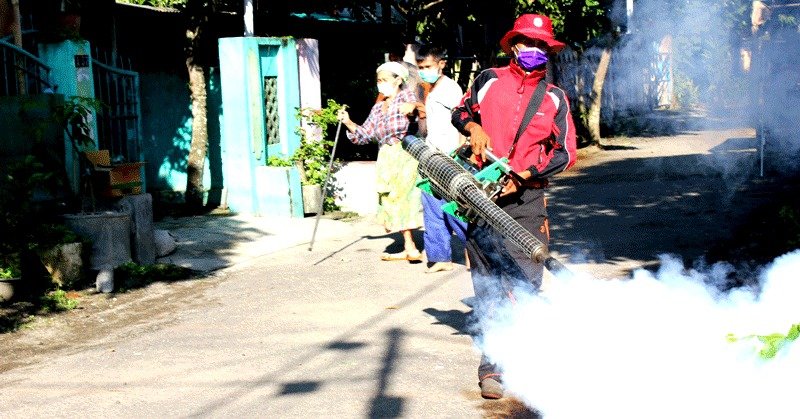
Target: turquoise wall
251, 185
167, 134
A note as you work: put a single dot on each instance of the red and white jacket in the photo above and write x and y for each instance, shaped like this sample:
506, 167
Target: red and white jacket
497, 100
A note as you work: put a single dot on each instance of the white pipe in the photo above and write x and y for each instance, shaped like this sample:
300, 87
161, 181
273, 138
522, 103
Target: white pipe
248, 18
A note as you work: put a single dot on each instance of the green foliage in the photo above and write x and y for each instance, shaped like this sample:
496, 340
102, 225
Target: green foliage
480, 24
687, 94
21, 216
156, 3
772, 343
194, 5
276, 161
57, 301
74, 116
789, 218
736, 16
9, 269
131, 275
34, 188
574, 21
51, 234
314, 155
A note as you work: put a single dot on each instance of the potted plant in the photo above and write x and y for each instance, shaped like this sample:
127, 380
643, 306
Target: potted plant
36, 248
314, 154
35, 192
10, 273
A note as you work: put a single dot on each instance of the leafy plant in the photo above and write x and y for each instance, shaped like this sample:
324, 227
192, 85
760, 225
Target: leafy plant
24, 219
56, 301
313, 155
35, 189
74, 116
771, 343
276, 161
687, 94
157, 3
9, 271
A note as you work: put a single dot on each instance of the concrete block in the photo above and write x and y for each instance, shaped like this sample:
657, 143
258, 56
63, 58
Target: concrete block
140, 209
109, 233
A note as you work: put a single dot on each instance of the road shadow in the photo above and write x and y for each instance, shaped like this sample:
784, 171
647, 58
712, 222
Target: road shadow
660, 123
382, 404
460, 321
640, 207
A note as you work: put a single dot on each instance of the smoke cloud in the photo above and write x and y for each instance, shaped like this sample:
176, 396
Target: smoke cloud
652, 345
730, 62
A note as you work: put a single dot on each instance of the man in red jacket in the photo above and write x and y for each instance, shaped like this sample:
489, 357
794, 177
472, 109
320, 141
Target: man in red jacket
515, 113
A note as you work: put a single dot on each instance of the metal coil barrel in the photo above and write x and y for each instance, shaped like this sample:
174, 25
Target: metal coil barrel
458, 185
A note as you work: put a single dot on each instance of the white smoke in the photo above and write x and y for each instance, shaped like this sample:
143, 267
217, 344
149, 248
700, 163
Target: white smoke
651, 346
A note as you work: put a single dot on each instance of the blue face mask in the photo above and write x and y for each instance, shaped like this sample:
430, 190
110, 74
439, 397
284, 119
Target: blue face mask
429, 75
531, 58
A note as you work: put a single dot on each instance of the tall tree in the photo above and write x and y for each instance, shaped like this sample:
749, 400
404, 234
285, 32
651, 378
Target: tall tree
197, 14
582, 24
197, 17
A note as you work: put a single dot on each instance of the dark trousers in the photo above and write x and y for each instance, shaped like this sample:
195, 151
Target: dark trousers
497, 266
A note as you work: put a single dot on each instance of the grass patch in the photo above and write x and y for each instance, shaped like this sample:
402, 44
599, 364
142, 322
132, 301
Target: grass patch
57, 301
132, 275
15, 316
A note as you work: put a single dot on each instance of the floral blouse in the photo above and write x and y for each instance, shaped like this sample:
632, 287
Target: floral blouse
384, 128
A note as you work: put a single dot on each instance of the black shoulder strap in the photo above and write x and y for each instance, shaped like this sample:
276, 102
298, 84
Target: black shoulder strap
530, 111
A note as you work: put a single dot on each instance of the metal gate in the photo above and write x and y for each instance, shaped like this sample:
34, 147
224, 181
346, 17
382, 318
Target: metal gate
22, 73
119, 118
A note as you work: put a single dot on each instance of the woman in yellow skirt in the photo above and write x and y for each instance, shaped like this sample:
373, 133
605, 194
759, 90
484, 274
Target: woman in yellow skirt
399, 200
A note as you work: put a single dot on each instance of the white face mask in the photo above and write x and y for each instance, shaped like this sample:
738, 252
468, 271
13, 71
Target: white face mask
387, 88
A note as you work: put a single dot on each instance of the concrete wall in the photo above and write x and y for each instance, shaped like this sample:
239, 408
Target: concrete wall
355, 186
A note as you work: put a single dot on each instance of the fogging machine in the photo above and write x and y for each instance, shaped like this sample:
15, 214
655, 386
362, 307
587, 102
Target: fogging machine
470, 191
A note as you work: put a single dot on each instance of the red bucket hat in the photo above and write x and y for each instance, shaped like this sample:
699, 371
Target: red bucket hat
535, 27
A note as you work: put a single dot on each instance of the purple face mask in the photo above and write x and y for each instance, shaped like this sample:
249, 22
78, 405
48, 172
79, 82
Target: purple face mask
531, 58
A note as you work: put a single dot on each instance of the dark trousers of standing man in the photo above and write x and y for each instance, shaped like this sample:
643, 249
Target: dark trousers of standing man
497, 266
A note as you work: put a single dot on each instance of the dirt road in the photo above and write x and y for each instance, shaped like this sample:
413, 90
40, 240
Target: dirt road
307, 330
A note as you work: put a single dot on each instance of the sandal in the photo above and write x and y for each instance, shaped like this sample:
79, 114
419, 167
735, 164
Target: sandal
440, 267
402, 256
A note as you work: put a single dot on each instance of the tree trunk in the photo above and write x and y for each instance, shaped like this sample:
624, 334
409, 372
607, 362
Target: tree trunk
16, 30
199, 144
593, 119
